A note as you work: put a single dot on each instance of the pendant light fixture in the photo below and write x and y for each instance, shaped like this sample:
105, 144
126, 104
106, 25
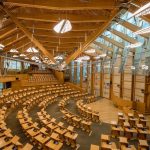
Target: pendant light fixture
63, 26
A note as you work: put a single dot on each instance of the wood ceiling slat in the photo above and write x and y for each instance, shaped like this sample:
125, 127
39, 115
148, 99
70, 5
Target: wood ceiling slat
64, 5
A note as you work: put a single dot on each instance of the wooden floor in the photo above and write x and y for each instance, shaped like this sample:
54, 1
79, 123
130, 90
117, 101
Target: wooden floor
107, 110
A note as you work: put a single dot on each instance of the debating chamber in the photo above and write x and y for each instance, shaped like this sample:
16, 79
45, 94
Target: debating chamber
74, 74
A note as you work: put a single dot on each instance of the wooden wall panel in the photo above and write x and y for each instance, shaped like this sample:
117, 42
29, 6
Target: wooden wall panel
139, 88
127, 82
117, 78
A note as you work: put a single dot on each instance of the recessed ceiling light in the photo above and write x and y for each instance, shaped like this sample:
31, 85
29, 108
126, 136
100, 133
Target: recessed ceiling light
34, 58
22, 55
15, 56
13, 51
90, 51
32, 50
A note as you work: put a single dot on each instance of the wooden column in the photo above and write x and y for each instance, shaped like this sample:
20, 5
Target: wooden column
133, 88
70, 72
133, 84
111, 85
1, 66
81, 75
75, 72
87, 75
101, 79
92, 78
121, 84
147, 95
22, 67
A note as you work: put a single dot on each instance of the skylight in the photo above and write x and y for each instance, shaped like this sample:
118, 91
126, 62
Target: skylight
63, 26
143, 31
138, 44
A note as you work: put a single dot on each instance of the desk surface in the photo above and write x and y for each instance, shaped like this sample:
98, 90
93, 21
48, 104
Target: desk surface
105, 137
72, 136
94, 147
27, 147
42, 139
109, 146
143, 143
132, 147
55, 136
60, 130
123, 140
33, 133
54, 145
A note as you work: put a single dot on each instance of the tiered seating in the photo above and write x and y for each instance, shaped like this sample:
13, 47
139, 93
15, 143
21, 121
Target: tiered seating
38, 136
130, 126
42, 78
7, 140
48, 100
86, 112
67, 135
74, 119
125, 129
52, 134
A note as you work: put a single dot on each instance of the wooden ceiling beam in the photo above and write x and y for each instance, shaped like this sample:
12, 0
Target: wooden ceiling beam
28, 34
132, 27
60, 49
114, 42
61, 45
60, 40
48, 17
103, 46
70, 34
23, 48
63, 5
91, 38
7, 31
13, 39
16, 45
50, 26
124, 36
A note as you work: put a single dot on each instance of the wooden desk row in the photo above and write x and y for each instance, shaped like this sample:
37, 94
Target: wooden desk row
67, 135
107, 144
87, 112
132, 119
48, 100
7, 140
38, 136
130, 132
76, 121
